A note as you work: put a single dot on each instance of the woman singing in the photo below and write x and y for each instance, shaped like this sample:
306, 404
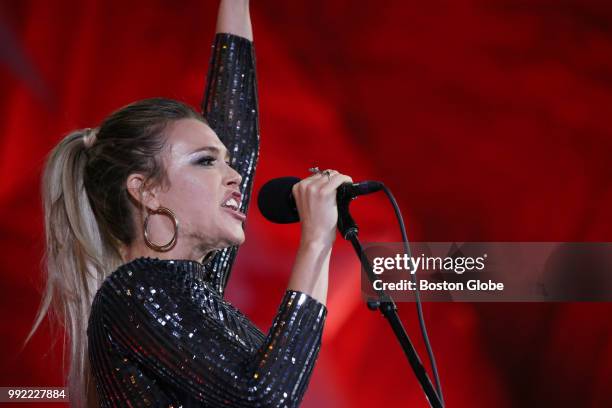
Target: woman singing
143, 216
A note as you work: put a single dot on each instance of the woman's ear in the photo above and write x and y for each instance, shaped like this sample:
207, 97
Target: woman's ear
142, 195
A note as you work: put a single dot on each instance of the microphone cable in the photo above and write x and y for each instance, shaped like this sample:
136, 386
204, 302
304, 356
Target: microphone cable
419, 306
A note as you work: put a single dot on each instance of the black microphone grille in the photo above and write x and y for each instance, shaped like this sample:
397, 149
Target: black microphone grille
275, 200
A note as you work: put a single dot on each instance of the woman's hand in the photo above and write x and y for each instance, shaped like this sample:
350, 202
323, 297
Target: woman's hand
315, 198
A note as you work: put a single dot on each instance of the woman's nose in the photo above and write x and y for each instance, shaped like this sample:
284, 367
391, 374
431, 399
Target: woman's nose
233, 177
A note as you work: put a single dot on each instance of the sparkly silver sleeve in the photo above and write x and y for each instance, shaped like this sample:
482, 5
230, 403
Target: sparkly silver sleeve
230, 107
160, 335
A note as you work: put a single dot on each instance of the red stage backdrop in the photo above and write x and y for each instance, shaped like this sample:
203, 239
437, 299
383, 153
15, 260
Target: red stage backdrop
488, 119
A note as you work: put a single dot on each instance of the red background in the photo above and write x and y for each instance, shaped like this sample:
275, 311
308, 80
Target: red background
488, 119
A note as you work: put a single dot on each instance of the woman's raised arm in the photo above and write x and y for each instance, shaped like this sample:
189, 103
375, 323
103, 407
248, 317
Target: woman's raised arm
231, 109
234, 18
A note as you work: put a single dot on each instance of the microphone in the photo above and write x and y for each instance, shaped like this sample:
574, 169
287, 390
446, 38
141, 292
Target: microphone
277, 204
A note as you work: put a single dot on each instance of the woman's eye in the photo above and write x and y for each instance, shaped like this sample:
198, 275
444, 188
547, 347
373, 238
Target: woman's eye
206, 161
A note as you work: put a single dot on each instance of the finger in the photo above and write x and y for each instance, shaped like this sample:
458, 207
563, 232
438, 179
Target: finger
315, 176
329, 173
335, 182
326, 176
300, 185
319, 181
310, 179
306, 184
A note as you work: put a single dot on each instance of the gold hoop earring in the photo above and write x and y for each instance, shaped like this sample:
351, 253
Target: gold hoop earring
169, 245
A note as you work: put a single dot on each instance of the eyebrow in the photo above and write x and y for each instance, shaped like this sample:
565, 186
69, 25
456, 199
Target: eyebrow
211, 149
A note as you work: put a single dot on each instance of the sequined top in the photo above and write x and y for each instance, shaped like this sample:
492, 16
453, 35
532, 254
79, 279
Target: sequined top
161, 333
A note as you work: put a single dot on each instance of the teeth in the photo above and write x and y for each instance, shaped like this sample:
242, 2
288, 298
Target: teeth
231, 203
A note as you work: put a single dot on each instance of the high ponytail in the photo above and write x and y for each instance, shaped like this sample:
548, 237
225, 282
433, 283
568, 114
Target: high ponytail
76, 257
88, 217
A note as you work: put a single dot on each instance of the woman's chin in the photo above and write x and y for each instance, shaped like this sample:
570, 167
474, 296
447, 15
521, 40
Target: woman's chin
241, 240
237, 238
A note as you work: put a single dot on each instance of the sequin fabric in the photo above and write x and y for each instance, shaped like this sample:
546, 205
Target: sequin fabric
231, 109
160, 335
160, 332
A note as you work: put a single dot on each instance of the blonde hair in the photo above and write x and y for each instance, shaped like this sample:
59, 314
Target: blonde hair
89, 214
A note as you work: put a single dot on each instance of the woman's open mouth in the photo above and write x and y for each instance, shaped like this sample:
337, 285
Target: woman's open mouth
233, 207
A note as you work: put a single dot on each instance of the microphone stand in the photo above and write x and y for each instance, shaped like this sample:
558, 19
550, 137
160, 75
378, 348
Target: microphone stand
349, 230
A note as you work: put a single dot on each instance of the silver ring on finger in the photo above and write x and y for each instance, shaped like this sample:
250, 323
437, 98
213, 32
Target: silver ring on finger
314, 170
329, 173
